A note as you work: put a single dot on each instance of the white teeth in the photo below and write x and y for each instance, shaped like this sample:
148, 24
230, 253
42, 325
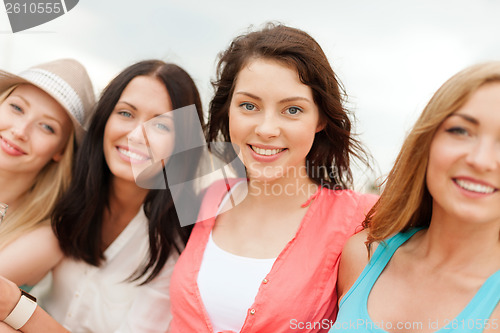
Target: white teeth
132, 155
474, 187
8, 145
267, 152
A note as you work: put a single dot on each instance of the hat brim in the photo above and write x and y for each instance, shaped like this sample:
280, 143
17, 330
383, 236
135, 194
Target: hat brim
8, 80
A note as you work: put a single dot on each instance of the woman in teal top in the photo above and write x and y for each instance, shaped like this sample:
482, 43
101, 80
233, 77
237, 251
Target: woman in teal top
433, 238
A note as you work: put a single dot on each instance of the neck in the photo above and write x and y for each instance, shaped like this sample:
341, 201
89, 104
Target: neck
284, 191
125, 200
125, 197
461, 244
13, 186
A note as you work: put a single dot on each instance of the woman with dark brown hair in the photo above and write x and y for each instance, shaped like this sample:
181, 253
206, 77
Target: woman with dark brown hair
269, 263
120, 240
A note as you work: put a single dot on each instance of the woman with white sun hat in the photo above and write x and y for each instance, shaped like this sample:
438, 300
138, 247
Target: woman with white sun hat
43, 112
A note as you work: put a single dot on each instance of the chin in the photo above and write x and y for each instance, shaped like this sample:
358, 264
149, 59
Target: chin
126, 175
265, 175
475, 216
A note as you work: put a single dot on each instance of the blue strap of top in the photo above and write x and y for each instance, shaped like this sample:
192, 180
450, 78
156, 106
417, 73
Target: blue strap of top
475, 313
483, 303
381, 256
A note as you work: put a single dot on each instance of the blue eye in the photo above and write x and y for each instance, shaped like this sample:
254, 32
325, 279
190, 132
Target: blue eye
293, 110
125, 114
162, 127
457, 130
48, 128
248, 106
16, 108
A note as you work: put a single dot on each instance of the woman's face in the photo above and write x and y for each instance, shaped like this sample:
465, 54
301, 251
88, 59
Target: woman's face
463, 174
272, 119
34, 130
140, 132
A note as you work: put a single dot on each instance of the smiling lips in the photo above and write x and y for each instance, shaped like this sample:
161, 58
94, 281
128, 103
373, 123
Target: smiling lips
131, 156
474, 186
267, 152
11, 148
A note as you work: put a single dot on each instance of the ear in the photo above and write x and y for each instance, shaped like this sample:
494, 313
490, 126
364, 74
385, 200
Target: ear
321, 126
58, 156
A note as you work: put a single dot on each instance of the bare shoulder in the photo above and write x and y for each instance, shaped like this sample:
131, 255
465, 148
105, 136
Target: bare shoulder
44, 238
27, 259
41, 238
46, 232
353, 260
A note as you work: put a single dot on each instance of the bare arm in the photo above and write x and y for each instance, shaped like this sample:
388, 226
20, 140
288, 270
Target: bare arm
29, 258
10, 295
353, 260
40, 321
4, 328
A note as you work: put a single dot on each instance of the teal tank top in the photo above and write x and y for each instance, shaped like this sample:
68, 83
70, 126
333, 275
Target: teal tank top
353, 312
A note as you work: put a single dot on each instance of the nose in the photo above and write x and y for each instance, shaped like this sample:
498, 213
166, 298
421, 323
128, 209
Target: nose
20, 130
138, 135
484, 155
268, 126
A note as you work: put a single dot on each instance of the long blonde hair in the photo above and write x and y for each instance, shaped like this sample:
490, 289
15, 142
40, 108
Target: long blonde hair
37, 203
406, 202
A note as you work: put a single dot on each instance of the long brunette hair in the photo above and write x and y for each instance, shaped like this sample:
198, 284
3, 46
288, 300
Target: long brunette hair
335, 144
78, 218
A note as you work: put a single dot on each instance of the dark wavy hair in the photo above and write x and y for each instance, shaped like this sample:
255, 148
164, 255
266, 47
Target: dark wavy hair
78, 216
335, 144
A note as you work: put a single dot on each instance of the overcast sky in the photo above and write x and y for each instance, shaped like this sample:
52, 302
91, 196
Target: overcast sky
390, 55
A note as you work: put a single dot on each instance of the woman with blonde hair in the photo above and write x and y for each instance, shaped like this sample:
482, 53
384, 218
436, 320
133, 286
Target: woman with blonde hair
43, 112
433, 237
120, 238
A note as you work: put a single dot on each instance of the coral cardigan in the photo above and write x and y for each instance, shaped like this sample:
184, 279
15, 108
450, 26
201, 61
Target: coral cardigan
299, 293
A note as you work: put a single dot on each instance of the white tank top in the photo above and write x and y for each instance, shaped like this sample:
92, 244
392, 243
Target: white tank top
228, 284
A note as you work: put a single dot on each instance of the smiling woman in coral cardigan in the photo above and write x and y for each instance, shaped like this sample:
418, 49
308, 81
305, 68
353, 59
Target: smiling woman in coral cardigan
270, 262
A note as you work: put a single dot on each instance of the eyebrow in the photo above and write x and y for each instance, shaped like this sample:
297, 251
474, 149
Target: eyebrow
284, 100
125, 102
53, 119
164, 115
21, 97
44, 115
167, 115
465, 117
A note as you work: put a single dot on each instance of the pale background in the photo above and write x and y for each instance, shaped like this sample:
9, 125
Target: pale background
390, 55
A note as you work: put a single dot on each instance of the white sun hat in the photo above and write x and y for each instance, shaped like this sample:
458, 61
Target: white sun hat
67, 81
